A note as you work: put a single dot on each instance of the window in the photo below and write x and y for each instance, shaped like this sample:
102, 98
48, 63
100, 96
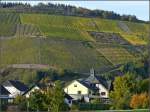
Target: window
103, 93
75, 85
79, 92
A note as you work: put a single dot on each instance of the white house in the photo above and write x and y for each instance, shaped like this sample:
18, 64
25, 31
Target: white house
4, 94
15, 87
91, 87
97, 81
68, 100
78, 89
30, 90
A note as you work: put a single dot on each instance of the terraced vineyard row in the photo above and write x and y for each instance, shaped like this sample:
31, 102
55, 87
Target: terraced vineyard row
116, 55
109, 38
55, 26
75, 43
124, 27
58, 53
67, 27
8, 22
114, 40
27, 30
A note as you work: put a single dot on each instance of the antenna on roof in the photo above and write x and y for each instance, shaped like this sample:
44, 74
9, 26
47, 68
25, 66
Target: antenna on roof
92, 71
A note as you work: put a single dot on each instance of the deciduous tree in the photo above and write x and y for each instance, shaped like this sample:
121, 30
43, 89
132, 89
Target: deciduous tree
139, 101
123, 88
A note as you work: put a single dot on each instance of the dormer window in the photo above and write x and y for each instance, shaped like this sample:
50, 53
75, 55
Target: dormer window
75, 85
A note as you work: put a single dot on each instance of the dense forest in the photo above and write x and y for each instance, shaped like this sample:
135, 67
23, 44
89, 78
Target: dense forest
66, 10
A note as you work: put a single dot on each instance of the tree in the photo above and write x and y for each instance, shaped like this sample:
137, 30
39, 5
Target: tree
58, 98
37, 100
139, 101
123, 88
21, 102
144, 85
55, 97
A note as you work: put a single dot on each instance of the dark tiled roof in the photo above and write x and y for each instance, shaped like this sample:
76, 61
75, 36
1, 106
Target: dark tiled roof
92, 79
17, 84
86, 84
97, 79
3, 91
34, 85
68, 97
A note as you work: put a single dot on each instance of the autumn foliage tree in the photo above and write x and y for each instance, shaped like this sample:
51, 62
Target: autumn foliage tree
122, 92
139, 101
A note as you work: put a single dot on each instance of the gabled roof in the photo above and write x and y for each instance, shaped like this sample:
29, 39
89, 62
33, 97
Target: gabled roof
87, 85
68, 97
34, 85
3, 91
99, 80
17, 84
93, 79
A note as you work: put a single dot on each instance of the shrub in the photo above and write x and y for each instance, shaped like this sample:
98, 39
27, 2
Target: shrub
90, 106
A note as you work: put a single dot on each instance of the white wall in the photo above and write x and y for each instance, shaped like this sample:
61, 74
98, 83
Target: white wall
14, 92
32, 90
102, 89
70, 89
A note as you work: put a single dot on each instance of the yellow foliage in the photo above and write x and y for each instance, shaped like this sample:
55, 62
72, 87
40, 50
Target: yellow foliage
139, 101
133, 39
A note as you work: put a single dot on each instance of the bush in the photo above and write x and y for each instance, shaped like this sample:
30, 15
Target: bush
74, 107
21, 102
65, 107
95, 101
90, 106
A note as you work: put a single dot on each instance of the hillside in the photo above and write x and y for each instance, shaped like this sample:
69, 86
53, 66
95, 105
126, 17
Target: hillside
69, 42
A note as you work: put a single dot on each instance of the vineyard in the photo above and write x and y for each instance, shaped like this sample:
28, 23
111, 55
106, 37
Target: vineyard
69, 42
110, 38
56, 26
57, 53
69, 27
8, 23
117, 55
25, 30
